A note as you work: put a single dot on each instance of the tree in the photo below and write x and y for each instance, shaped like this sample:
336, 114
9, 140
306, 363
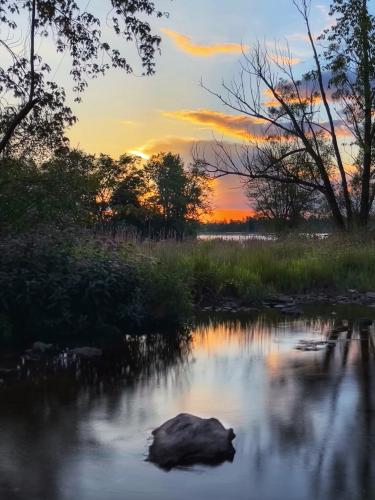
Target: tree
350, 59
60, 192
307, 115
68, 189
287, 204
33, 106
179, 196
128, 197
160, 198
19, 194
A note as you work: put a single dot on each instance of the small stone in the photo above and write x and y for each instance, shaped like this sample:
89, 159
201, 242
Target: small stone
41, 347
87, 352
292, 311
311, 345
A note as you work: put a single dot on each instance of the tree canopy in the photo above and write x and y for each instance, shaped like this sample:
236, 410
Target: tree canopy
158, 199
33, 109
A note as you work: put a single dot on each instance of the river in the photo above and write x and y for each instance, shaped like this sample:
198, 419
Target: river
304, 421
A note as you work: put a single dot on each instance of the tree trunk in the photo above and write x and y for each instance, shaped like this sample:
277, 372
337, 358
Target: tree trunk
22, 114
367, 137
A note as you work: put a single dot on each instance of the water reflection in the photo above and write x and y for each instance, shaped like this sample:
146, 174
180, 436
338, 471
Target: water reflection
304, 420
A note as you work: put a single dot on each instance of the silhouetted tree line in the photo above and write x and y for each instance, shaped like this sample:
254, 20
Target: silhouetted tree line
259, 224
157, 198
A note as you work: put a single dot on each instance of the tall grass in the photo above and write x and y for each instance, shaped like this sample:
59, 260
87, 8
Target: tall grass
255, 269
82, 285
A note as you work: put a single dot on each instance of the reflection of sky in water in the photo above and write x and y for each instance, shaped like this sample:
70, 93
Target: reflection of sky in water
304, 422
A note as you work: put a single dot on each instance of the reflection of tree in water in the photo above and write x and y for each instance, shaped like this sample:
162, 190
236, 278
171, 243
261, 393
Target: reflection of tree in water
320, 423
41, 416
317, 419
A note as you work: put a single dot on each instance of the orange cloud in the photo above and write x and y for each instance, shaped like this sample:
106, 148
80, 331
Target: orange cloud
273, 102
285, 60
176, 145
239, 126
186, 44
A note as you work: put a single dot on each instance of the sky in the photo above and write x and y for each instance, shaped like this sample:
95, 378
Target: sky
202, 40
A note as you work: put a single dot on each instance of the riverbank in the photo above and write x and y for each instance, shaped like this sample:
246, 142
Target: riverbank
78, 285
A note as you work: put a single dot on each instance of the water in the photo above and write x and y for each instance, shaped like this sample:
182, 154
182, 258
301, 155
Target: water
238, 237
304, 420
255, 236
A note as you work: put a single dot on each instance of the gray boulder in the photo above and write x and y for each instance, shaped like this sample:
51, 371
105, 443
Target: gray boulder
42, 347
87, 352
188, 440
292, 311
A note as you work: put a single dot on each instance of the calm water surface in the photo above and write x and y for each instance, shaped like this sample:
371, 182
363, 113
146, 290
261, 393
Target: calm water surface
254, 236
304, 420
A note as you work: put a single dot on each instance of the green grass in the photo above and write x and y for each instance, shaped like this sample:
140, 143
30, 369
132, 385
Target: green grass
79, 285
256, 269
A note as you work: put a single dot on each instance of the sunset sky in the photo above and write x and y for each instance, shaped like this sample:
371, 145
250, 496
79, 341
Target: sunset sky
170, 111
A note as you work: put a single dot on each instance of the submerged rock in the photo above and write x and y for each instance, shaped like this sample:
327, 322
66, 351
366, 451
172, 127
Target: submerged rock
365, 323
87, 352
292, 311
187, 439
314, 345
42, 347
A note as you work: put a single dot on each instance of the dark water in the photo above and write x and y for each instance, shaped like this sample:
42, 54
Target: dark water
304, 420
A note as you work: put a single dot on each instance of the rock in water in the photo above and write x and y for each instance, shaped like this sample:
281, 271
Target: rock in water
42, 347
187, 440
87, 352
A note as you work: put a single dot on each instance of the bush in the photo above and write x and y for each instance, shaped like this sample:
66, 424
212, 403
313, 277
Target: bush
60, 285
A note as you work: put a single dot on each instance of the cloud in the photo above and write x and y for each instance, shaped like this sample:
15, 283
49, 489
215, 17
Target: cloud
180, 145
272, 102
186, 44
284, 59
238, 126
241, 127
306, 88
298, 37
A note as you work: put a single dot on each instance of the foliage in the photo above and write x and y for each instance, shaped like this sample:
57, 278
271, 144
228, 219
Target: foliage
60, 192
163, 198
63, 283
287, 203
34, 110
73, 188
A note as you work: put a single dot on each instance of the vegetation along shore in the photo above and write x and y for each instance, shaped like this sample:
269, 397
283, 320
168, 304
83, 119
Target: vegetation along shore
76, 284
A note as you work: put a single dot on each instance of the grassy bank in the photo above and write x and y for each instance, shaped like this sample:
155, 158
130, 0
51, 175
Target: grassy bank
69, 284
256, 269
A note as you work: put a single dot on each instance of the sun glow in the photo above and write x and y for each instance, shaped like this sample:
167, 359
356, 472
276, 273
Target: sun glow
142, 155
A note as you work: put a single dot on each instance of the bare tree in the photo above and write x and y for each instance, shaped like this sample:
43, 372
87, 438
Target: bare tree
307, 115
